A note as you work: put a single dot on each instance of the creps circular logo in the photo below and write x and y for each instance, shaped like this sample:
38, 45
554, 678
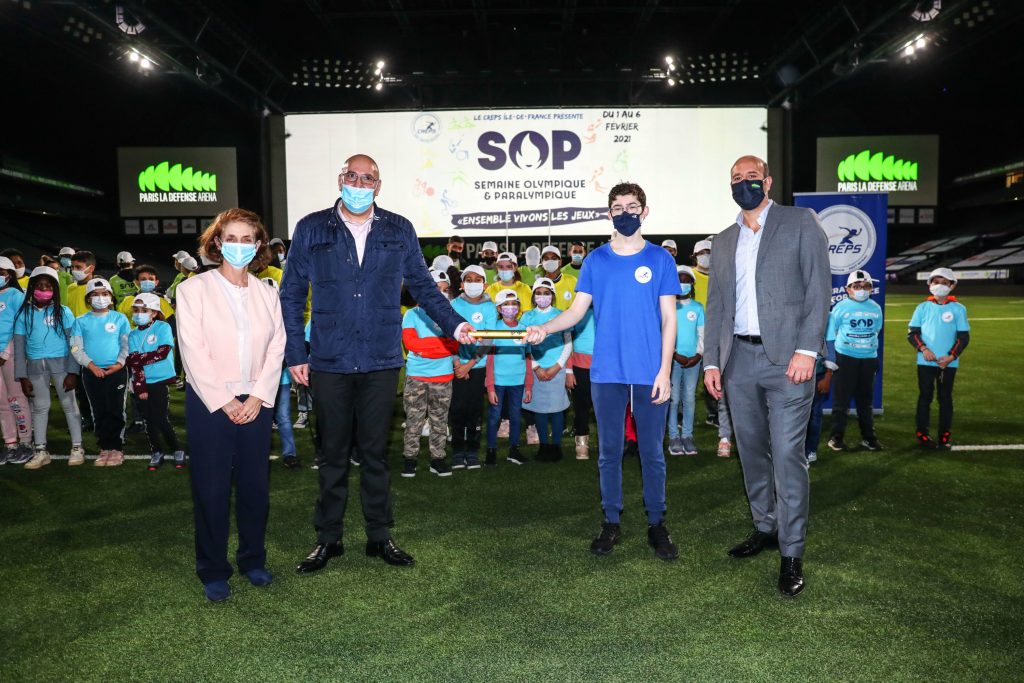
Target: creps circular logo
478, 317
691, 316
947, 316
110, 327
426, 127
851, 237
642, 275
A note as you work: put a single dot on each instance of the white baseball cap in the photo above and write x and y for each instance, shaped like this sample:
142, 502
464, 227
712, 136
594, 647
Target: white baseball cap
507, 256
442, 262
66, 251
42, 270
669, 243
943, 272
701, 246
506, 295
206, 260
492, 246
477, 270
551, 249
147, 300
277, 240
439, 276
686, 269
97, 283
859, 276
180, 256
189, 263
125, 257
543, 282
6, 263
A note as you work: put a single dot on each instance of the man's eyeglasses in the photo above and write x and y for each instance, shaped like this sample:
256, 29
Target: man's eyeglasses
365, 180
632, 208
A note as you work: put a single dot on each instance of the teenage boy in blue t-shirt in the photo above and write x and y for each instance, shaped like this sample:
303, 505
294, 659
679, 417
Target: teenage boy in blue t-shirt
632, 285
940, 333
852, 340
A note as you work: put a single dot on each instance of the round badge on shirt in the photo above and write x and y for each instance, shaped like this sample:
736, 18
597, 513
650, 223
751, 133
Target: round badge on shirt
151, 339
3, 306
566, 295
477, 317
947, 316
643, 275
691, 316
110, 327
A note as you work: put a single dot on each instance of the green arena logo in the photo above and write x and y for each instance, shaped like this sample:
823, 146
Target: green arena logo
877, 166
165, 177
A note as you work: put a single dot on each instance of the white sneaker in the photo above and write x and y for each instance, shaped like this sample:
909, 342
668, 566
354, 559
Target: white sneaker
77, 456
503, 429
811, 457
582, 447
40, 459
426, 430
724, 448
532, 437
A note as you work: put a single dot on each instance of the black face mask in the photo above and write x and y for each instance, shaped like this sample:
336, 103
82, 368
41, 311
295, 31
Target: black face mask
455, 256
489, 260
748, 193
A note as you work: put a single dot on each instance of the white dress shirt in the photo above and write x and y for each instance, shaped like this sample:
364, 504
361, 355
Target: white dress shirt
747, 245
359, 230
238, 300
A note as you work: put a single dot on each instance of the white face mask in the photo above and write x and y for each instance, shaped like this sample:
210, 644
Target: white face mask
704, 261
473, 289
940, 290
79, 275
551, 266
100, 302
19, 272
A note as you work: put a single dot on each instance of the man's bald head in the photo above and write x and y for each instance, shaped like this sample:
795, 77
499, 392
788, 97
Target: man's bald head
361, 163
742, 165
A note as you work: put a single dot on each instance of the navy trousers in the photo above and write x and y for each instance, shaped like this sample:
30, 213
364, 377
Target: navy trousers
223, 453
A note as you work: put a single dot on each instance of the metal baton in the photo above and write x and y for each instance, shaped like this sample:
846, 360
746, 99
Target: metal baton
498, 334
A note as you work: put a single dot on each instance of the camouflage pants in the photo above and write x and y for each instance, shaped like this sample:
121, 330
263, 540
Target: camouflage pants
426, 401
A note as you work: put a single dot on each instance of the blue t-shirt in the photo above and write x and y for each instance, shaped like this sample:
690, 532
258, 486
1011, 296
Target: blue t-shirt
939, 325
510, 358
101, 336
482, 316
42, 338
547, 353
415, 364
627, 311
689, 322
583, 334
854, 326
150, 339
10, 301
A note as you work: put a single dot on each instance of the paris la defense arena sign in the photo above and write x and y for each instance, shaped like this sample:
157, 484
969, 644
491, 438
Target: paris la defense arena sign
176, 181
480, 173
905, 166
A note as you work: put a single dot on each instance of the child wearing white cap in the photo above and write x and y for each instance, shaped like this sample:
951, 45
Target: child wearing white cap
717, 410
669, 245
123, 283
510, 277
565, 284
42, 355
488, 257
509, 379
686, 359
99, 343
151, 362
940, 332
15, 418
854, 326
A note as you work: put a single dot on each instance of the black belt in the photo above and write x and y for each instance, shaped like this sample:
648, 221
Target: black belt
749, 338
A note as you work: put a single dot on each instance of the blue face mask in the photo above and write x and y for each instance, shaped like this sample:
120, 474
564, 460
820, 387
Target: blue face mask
626, 223
748, 193
147, 285
861, 294
65, 262
356, 199
506, 275
577, 259
237, 254
685, 288
141, 319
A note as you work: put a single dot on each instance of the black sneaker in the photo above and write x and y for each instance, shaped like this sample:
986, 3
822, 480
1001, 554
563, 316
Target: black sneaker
711, 422
515, 457
492, 457
155, 461
609, 538
658, 538
631, 450
409, 468
944, 444
925, 441
871, 444
315, 465
440, 467
836, 443
355, 460
291, 462
459, 461
136, 428
472, 462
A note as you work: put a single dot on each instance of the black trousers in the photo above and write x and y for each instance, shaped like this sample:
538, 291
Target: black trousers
855, 379
222, 454
106, 398
354, 412
158, 426
582, 404
466, 412
928, 379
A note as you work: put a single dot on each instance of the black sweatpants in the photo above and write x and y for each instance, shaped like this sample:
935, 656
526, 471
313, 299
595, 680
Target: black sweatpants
106, 398
466, 412
158, 427
582, 404
854, 379
928, 379
354, 411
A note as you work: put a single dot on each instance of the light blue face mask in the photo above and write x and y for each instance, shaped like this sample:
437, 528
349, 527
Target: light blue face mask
506, 275
141, 319
65, 262
147, 285
356, 199
237, 254
685, 288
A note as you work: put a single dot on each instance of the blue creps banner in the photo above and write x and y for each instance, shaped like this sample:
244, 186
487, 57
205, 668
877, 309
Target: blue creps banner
855, 225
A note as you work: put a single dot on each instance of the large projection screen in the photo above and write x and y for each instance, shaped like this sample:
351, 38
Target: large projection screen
479, 173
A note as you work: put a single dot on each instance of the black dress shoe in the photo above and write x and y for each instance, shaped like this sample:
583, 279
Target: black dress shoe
389, 552
755, 543
317, 558
791, 576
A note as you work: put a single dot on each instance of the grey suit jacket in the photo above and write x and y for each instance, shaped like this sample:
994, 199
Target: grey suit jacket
793, 281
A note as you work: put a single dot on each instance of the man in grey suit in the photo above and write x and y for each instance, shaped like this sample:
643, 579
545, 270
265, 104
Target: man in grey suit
768, 304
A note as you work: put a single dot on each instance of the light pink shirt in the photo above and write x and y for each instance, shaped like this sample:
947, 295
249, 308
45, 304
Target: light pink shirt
360, 231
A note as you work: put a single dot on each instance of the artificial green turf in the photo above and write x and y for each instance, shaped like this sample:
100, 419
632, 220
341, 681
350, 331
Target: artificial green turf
913, 565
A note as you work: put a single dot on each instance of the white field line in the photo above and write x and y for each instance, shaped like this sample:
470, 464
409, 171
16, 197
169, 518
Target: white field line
990, 447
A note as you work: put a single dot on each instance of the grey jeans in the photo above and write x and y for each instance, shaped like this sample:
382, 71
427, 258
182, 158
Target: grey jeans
41, 373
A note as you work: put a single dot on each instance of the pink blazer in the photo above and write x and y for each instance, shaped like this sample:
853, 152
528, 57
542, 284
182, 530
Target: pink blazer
209, 347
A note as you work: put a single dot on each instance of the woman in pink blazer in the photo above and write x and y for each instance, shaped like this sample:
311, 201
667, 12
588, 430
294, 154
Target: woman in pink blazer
231, 338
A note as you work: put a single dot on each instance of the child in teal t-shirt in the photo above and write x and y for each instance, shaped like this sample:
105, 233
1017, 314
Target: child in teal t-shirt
685, 365
509, 379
